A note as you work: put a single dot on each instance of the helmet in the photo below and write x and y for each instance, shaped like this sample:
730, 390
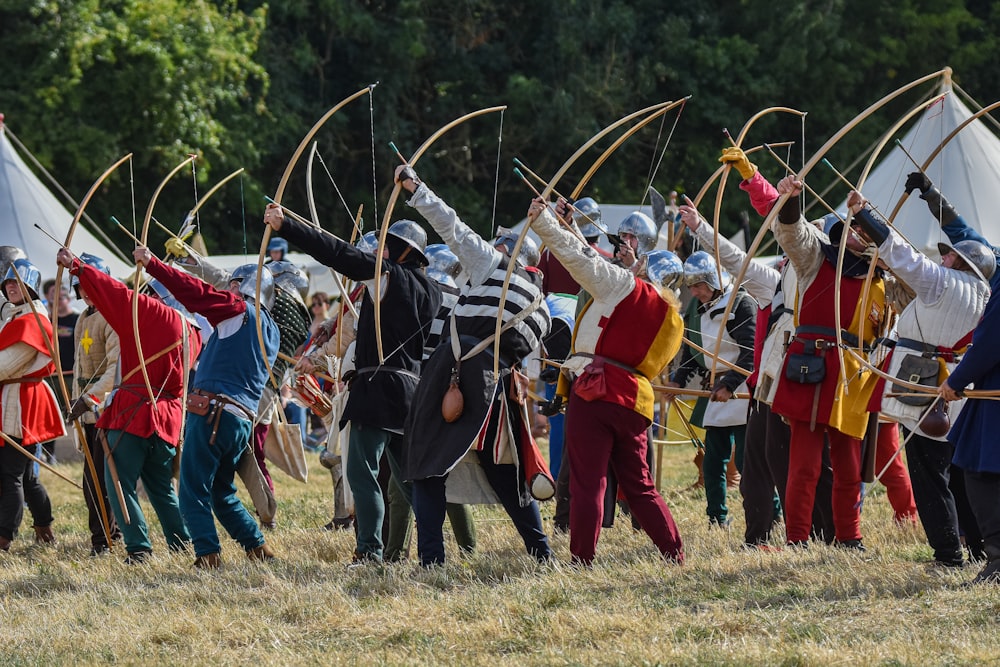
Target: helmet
246, 276
30, 276
412, 235
278, 244
700, 267
440, 257
368, 242
89, 260
587, 216
642, 228
8, 253
440, 277
663, 269
980, 259
291, 278
528, 256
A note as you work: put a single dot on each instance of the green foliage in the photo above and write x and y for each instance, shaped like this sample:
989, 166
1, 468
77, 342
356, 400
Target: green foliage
240, 83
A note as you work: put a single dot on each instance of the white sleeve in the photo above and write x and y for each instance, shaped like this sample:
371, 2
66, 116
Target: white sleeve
478, 257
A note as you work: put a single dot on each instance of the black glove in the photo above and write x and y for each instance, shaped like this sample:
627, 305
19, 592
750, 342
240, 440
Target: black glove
79, 407
551, 408
918, 181
549, 374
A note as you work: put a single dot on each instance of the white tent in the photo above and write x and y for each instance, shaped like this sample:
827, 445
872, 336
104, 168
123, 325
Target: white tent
24, 202
967, 172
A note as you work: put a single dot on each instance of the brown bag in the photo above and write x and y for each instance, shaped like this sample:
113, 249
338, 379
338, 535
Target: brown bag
936, 422
198, 404
591, 385
453, 403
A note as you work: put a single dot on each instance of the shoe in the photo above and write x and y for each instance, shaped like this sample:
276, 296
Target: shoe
138, 557
4, 544
340, 524
268, 525
44, 535
856, 545
208, 562
99, 550
713, 522
560, 528
989, 574
261, 553
361, 560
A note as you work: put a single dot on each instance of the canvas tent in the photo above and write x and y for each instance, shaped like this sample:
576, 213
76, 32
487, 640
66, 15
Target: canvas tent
967, 171
25, 201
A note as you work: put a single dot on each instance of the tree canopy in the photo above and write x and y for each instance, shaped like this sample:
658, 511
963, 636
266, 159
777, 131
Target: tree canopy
239, 83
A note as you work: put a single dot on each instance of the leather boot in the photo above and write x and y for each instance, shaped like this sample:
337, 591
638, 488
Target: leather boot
4, 544
698, 458
732, 475
262, 553
44, 535
208, 562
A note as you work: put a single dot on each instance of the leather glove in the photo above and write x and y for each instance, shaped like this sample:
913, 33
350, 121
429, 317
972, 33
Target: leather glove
176, 247
737, 158
78, 408
407, 173
918, 181
551, 408
549, 374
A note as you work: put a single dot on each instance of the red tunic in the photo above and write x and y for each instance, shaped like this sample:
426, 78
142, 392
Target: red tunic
41, 420
160, 327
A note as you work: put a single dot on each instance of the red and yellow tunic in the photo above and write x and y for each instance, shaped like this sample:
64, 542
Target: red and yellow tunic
26, 394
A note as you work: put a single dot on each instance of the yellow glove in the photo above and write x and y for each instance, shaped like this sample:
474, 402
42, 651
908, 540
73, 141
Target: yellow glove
737, 158
176, 247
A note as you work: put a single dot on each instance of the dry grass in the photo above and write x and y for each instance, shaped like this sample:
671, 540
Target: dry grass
725, 606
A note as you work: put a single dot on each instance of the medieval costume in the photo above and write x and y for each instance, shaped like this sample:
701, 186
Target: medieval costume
492, 427
626, 336
143, 437
222, 403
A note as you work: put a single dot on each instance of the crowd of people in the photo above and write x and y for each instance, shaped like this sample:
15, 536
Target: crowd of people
810, 375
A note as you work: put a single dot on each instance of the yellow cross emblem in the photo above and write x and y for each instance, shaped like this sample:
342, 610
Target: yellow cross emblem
86, 341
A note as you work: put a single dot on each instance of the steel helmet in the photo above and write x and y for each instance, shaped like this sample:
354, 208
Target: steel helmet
440, 277
30, 276
291, 278
980, 259
700, 267
412, 235
441, 258
246, 276
640, 226
368, 242
278, 244
662, 268
527, 256
587, 216
89, 260
8, 253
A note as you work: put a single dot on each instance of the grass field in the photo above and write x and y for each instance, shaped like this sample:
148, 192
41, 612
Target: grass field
724, 606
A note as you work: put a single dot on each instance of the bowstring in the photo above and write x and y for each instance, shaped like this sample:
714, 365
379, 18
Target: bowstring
654, 169
496, 177
371, 116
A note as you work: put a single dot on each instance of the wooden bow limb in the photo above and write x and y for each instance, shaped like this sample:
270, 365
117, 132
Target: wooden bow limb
572, 229
279, 193
717, 211
937, 151
728, 364
546, 193
695, 439
40, 462
616, 144
80, 434
681, 391
819, 155
393, 196
569, 201
189, 218
138, 277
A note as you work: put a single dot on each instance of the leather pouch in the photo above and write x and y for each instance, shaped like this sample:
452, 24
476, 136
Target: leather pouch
806, 368
916, 369
198, 404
